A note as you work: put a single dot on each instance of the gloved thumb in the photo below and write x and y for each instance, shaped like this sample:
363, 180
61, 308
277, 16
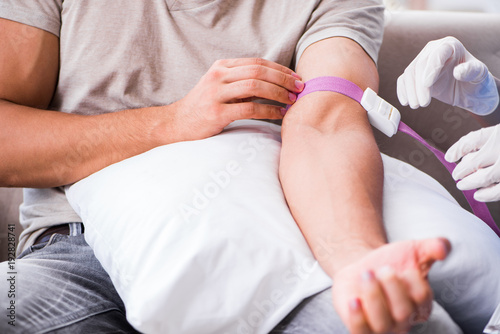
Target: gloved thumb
472, 71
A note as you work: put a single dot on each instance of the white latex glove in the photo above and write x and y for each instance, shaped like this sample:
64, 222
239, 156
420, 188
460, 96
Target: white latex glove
445, 70
480, 165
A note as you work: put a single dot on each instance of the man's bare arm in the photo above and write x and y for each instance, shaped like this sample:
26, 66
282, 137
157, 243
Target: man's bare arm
332, 176
331, 168
41, 148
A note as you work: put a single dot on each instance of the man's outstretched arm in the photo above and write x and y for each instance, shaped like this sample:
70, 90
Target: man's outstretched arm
332, 176
328, 142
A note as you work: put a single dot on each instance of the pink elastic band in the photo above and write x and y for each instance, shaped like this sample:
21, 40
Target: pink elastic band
333, 84
350, 89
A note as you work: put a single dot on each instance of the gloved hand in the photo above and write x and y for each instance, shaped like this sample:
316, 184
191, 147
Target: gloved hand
445, 70
480, 165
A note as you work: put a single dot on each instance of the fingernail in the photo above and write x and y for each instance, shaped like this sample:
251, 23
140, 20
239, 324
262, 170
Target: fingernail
296, 75
300, 85
283, 111
447, 245
292, 97
355, 305
367, 276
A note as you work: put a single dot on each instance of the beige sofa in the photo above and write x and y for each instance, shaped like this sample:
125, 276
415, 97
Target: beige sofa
406, 34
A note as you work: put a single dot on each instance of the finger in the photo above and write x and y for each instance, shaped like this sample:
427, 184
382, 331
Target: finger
466, 167
483, 177
436, 62
264, 73
488, 194
472, 163
401, 91
375, 307
472, 71
471, 142
259, 62
400, 303
256, 88
428, 251
252, 110
409, 80
423, 92
357, 323
420, 293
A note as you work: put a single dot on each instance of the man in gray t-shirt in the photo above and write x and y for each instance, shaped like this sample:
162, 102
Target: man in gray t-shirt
85, 84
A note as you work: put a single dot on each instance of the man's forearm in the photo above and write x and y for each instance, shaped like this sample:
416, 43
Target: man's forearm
41, 148
333, 184
331, 169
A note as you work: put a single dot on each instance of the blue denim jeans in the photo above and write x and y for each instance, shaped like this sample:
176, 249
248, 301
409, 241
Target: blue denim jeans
60, 287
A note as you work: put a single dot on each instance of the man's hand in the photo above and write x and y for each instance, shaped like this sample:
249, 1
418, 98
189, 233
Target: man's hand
480, 165
445, 70
387, 291
224, 95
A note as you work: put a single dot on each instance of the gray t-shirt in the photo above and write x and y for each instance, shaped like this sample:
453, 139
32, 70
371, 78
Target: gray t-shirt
123, 54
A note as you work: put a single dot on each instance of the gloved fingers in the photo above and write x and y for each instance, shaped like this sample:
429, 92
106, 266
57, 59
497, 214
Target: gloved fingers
409, 79
482, 178
488, 95
488, 194
469, 143
480, 98
472, 71
401, 91
423, 92
467, 166
472, 163
443, 51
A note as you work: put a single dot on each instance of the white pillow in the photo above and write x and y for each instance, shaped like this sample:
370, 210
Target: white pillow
197, 236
